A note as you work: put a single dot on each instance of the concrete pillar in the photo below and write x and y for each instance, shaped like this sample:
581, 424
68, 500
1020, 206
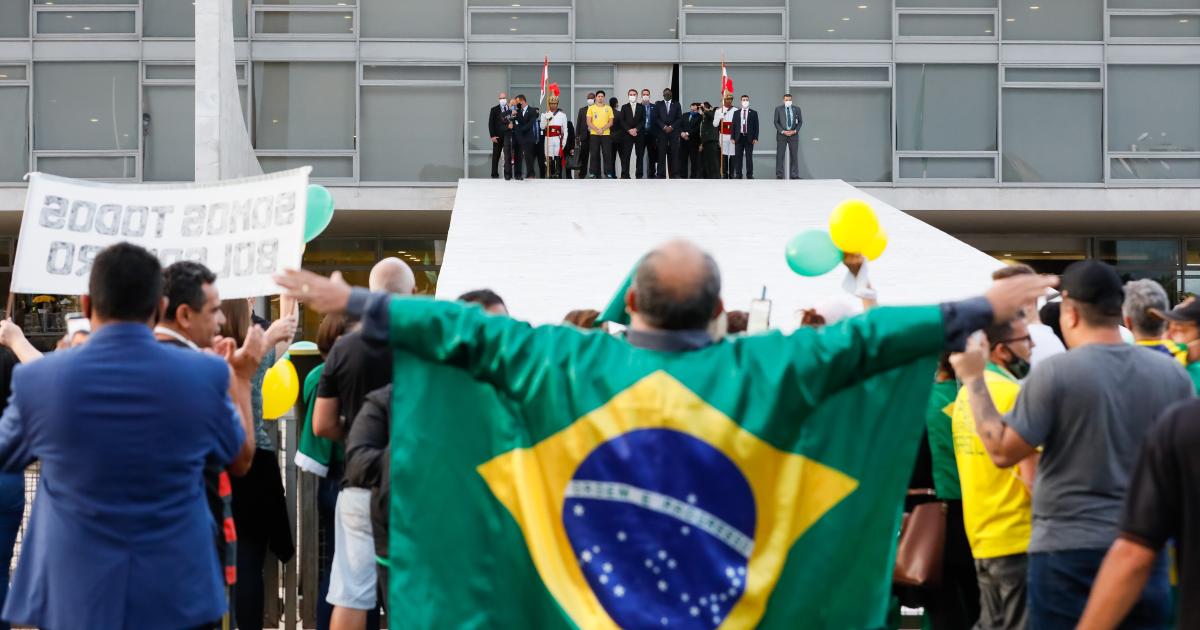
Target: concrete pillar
223, 149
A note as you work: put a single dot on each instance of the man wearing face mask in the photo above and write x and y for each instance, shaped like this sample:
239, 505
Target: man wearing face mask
689, 142
646, 145
625, 133
787, 125
710, 145
1089, 409
996, 503
600, 122
583, 137
555, 126
525, 138
745, 136
1183, 327
667, 117
499, 132
724, 121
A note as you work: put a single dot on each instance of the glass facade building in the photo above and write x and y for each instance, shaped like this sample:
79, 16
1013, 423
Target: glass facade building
945, 108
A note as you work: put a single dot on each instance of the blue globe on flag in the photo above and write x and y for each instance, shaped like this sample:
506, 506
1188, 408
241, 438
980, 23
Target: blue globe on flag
662, 525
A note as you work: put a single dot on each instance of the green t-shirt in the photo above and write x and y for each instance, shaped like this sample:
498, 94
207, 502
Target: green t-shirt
941, 440
1193, 370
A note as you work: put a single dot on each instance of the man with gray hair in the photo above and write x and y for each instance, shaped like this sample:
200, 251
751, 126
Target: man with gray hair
1142, 299
354, 369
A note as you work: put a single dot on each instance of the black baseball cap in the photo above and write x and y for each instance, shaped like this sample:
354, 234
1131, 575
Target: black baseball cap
1188, 312
1095, 283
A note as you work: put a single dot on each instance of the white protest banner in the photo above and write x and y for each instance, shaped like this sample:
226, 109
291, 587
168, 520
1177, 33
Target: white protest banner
244, 230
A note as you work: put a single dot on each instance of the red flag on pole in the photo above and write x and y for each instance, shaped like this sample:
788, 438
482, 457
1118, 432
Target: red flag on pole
726, 82
545, 78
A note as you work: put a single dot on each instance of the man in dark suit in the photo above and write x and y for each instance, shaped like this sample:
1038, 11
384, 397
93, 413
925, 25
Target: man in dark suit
710, 145
689, 142
498, 131
646, 147
625, 132
523, 126
583, 136
745, 136
787, 125
667, 119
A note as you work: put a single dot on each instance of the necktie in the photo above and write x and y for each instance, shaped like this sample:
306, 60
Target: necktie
789, 112
744, 117
647, 117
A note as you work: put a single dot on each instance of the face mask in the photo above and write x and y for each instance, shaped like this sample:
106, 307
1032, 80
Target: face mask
645, 98
745, 104
503, 102
787, 103
1018, 367
632, 99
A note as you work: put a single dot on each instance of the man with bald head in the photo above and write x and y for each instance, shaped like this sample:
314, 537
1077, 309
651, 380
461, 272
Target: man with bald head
563, 388
354, 369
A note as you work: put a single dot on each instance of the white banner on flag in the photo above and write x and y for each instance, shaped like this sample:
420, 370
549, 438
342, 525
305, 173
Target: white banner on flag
244, 230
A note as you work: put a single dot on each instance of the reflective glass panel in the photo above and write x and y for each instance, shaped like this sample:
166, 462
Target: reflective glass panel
945, 107
86, 105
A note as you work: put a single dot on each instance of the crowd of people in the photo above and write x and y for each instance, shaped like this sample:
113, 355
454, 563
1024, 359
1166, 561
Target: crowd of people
1064, 454
650, 139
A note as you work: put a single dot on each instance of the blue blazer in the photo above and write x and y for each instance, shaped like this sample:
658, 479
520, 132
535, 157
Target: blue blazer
120, 535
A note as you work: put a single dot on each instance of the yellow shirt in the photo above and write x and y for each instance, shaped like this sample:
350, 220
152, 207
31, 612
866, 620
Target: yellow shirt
997, 509
600, 115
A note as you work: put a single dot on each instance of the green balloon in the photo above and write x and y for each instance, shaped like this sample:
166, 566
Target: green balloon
319, 212
812, 253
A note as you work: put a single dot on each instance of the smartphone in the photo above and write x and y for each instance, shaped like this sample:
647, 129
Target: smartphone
759, 319
76, 322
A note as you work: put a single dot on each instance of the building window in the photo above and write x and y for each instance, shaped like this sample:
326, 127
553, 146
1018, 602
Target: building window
1053, 124
14, 19
626, 19
763, 84
716, 23
66, 21
403, 113
176, 18
14, 123
829, 95
87, 107
305, 111
1153, 128
981, 25
1077, 20
518, 24
945, 107
327, 22
420, 19
841, 19
486, 82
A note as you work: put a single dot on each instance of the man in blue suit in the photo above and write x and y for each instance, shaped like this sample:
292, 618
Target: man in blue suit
745, 136
120, 534
667, 120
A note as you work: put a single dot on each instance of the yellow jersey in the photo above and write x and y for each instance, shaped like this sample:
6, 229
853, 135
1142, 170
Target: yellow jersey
1167, 347
600, 115
997, 508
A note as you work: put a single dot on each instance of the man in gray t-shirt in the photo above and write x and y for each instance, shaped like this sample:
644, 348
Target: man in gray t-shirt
1089, 411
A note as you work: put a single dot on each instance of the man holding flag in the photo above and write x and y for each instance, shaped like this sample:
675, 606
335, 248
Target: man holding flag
555, 127
659, 481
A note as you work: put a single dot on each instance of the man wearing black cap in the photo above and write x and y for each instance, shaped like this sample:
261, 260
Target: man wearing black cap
1184, 329
1089, 410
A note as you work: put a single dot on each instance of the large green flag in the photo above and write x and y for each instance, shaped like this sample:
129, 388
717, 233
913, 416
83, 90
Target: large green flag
556, 478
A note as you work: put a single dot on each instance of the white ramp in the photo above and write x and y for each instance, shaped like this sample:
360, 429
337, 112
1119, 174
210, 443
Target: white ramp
550, 246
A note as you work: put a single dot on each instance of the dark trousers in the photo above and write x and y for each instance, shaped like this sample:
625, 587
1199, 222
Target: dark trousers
555, 170
790, 145
646, 146
668, 156
600, 155
249, 593
12, 508
623, 144
689, 159
497, 151
260, 515
513, 161
710, 159
744, 155
1003, 592
529, 153
955, 604
584, 147
1060, 582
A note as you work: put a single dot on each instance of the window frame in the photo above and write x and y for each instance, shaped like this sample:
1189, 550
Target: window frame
134, 8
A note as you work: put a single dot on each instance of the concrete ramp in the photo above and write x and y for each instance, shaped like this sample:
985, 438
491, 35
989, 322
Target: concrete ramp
550, 246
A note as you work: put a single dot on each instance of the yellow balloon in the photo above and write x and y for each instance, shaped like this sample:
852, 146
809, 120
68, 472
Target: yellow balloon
878, 244
853, 225
280, 389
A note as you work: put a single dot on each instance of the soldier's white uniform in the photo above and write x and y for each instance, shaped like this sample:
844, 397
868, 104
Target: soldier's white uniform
555, 126
724, 121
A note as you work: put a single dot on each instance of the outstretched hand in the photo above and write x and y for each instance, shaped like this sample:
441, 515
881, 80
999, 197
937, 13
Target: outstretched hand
245, 360
323, 295
1010, 295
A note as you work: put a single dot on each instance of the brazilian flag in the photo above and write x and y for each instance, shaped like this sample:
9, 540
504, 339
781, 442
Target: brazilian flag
556, 478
